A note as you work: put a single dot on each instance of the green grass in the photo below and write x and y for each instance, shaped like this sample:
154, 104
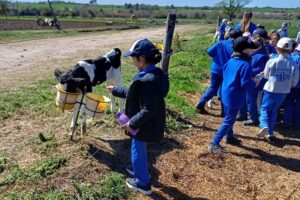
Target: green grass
113, 187
34, 172
38, 97
52, 194
10, 36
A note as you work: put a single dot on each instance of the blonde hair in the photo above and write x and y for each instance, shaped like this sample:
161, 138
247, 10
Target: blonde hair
274, 33
245, 23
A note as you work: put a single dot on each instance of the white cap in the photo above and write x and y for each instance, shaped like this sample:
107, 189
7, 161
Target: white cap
285, 43
224, 21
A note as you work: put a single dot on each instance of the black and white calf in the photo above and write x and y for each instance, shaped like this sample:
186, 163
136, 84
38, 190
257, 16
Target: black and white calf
89, 73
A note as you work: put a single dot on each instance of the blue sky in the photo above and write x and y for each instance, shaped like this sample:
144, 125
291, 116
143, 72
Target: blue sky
259, 3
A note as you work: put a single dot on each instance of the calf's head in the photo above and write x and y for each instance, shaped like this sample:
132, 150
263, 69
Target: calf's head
67, 82
114, 57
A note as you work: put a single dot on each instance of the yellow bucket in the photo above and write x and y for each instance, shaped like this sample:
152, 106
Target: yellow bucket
96, 104
66, 100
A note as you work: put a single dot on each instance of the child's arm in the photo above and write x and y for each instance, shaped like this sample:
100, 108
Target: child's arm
149, 105
120, 92
212, 51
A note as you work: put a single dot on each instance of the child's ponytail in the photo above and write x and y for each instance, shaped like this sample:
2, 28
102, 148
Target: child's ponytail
155, 57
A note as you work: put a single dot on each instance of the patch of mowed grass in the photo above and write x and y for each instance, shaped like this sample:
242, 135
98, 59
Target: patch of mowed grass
10, 36
39, 97
113, 187
187, 69
43, 144
52, 194
34, 172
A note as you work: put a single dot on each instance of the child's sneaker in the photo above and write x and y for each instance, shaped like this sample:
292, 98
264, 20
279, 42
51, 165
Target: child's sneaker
129, 170
250, 122
130, 182
201, 109
263, 131
270, 138
215, 148
210, 104
241, 118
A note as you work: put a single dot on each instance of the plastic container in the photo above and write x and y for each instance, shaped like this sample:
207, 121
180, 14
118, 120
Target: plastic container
123, 119
66, 100
96, 104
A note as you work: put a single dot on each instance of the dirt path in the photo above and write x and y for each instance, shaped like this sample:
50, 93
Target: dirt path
29, 61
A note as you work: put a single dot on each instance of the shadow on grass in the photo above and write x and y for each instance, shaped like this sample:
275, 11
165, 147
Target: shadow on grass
173, 192
291, 164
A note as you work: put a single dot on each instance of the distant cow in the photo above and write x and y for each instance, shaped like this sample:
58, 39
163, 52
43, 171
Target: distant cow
89, 73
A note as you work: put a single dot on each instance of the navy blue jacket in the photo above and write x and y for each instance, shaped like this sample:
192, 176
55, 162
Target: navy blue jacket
237, 78
145, 105
221, 53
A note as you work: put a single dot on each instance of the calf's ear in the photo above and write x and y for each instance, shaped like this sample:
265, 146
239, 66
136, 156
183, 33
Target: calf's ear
57, 74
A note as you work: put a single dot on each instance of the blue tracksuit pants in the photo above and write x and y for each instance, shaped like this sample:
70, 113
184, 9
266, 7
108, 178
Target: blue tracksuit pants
227, 126
243, 110
215, 84
251, 101
139, 162
269, 109
291, 104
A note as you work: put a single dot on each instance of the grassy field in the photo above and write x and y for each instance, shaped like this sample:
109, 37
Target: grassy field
41, 102
189, 72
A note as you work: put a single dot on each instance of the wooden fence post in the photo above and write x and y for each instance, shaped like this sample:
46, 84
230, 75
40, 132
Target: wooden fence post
170, 26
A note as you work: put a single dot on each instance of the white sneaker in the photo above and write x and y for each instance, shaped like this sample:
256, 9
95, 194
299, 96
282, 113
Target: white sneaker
210, 104
263, 131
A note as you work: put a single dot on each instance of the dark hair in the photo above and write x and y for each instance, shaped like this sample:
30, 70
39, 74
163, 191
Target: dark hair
294, 45
155, 57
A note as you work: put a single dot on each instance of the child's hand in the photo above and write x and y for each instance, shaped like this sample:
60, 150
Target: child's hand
110, 88
127, 127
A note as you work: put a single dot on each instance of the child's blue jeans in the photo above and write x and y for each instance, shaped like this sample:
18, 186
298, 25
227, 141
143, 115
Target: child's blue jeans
227, 127
139, 162
269, 109
215, 84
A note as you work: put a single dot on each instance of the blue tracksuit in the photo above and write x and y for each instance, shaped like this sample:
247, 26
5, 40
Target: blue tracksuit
237, 79
252, 27
221, 53
222, 31
259, 60
282, 74
291, 114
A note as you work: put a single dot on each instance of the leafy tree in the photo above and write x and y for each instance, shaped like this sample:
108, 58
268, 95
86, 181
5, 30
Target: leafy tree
4, 7
230, 7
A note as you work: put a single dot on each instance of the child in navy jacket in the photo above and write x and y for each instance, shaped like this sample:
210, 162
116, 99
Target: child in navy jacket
282, 74
237, 79
145, 107
221, 53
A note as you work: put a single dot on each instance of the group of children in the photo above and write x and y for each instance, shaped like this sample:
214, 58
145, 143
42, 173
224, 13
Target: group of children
248, 62
256, 74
